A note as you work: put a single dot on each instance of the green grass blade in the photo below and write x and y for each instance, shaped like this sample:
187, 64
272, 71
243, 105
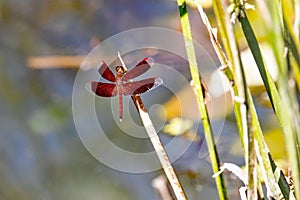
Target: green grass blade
220, 15
254, 47
200, 98
228, 39
292, 41
242, 112
282, 111
266, 163
263, 153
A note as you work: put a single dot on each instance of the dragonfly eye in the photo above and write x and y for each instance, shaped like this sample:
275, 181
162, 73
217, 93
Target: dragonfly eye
120, 70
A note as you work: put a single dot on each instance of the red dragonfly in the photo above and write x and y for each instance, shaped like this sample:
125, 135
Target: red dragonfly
122, 83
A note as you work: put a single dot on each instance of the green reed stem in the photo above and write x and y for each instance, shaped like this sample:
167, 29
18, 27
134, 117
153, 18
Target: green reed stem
186, 29
282, 111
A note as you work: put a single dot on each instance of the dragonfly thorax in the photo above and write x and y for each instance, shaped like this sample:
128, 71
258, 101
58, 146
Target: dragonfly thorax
120, 70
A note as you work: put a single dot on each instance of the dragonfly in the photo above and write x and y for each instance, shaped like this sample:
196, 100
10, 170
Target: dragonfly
122, 83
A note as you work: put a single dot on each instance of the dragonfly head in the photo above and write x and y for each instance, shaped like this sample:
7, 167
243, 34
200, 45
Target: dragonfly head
120, 70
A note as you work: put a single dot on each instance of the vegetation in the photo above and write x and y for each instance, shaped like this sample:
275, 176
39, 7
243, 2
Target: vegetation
283, 34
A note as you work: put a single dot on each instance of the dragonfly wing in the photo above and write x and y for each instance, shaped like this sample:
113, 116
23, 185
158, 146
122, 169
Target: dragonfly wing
106, 73
142, 86
139, 69
103, 89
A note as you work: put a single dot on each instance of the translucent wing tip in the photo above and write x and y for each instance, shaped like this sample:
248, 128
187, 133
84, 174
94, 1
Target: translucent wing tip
150, 61
158, 82
88, 87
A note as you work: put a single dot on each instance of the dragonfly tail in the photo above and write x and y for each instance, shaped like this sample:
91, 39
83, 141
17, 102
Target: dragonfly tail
120, 105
